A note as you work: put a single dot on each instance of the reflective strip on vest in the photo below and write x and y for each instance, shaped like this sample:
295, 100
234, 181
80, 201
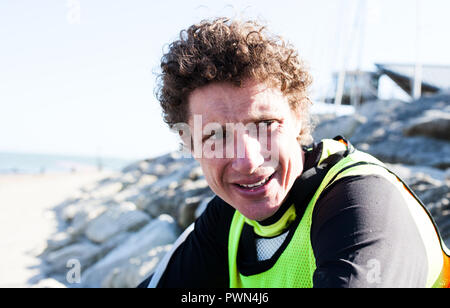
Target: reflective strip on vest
299, 255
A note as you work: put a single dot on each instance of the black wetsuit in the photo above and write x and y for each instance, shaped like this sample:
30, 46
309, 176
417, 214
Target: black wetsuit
362, 235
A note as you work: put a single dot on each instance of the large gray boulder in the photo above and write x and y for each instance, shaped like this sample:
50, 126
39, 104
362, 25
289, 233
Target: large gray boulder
344, 125
433, 123
136, 269
159, 232
116, 219
85, 253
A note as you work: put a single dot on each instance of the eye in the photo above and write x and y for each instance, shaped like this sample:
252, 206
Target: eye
267, 123
214, 135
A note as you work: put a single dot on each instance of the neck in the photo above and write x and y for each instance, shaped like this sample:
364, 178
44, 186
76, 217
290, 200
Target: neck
278, 214
276, 224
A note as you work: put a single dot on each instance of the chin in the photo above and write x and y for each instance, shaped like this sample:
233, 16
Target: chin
259, 212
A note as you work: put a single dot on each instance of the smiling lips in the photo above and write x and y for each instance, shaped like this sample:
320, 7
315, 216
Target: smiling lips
257, 184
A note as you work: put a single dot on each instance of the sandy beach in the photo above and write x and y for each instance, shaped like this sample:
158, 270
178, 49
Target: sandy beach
27, 219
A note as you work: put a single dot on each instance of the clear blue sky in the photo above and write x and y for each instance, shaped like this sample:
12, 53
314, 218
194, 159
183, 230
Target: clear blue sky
76, 76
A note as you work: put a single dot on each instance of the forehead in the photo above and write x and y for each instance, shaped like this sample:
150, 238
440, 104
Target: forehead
226, 103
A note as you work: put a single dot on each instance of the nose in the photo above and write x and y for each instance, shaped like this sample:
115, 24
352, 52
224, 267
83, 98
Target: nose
248, 156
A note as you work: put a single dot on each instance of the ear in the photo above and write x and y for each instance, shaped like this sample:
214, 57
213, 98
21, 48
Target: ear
297, 118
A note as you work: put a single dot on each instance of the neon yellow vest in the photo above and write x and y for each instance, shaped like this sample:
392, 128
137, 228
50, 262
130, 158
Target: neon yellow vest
296, 265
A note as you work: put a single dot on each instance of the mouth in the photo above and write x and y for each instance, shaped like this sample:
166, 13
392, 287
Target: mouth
255, 186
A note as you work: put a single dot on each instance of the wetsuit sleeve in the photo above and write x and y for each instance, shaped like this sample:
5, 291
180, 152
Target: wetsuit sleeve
200, 260
363, 235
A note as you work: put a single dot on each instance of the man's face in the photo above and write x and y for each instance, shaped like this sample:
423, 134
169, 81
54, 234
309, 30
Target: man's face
245, 140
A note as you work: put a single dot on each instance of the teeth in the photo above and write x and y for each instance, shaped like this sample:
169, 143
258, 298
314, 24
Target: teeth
256, 184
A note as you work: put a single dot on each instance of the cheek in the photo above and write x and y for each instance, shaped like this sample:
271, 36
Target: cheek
289, 154
282, 144
213, 172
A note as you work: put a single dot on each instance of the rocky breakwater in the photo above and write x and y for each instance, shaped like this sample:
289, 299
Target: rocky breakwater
117, 230
114, 233
413, 138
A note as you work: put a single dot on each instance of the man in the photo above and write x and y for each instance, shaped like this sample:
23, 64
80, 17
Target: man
285, 215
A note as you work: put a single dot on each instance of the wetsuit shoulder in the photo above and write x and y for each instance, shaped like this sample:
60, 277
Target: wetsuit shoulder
363, 235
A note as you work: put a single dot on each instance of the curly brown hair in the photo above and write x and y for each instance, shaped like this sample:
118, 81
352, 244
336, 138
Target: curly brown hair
225, 50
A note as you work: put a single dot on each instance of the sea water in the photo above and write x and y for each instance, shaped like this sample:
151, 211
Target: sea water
29, 163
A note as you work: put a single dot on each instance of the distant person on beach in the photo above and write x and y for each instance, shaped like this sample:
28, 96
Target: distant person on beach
288, 212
